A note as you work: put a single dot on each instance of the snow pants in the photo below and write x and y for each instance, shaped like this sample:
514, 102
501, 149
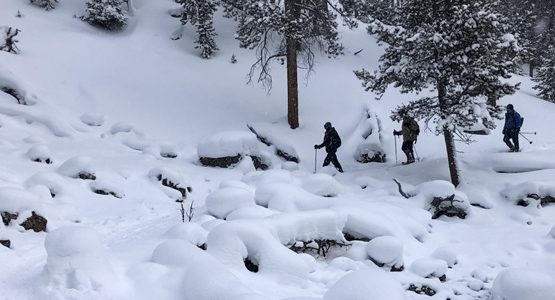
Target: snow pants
331, 157
511, 135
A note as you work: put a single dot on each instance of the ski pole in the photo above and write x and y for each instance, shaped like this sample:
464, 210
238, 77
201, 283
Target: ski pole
534, 133
315, 159
525, 137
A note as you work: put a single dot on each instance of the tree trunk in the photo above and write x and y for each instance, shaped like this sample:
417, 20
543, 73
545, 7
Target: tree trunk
532, 67
451, 156
448, 135
292, 83
492, 99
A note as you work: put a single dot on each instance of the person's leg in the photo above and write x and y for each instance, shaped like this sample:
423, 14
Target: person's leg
335, 162
327, 160
507, 140
406, 150
410, 147
515, 141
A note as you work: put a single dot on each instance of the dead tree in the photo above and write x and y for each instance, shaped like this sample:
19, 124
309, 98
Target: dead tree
10, 42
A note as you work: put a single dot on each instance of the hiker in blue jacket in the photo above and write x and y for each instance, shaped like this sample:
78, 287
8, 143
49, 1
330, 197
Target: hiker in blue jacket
511, 130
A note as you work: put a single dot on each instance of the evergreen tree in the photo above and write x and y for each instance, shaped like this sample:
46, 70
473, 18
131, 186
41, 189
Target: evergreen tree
46, 4
107, 14
289, 31
7, 39
546, 76
200, 13
460, 49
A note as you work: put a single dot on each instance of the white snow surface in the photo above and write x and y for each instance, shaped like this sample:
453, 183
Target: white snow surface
119, 105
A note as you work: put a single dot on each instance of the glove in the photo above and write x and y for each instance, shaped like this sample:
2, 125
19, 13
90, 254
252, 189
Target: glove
395, 132
415, 140
504, 131
315, 146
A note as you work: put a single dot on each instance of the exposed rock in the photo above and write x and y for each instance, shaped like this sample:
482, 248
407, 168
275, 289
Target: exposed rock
6, 243
542, 201
35, 222
8, 217
279, 151
87, 176
221, 162
106, 193
250, 265
446, 207
46, 161
421, 289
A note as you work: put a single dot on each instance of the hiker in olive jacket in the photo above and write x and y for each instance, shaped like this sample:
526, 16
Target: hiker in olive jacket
410, 131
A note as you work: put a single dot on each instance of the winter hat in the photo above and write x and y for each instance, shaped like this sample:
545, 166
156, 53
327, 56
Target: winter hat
510, 106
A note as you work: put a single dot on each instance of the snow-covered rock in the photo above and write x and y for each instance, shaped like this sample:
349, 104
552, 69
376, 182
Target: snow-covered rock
442, 198
78, 167
190, 232
250, 212
40, 153
429, 267
223, 201
364, 285
386, 251
92, 119
447, 255
541, 193
15, 200
112, 187
523, 284
322, 185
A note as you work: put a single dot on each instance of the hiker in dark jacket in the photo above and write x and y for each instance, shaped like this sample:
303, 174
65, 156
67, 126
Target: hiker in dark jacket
410, 131
332, 141
511, 130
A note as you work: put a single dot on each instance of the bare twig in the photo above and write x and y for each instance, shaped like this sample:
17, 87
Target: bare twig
401, 189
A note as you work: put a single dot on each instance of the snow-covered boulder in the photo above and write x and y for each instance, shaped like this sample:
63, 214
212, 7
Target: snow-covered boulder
175, 185
227, 149
250, 212
364, 285
441, 198
17, 200
523, 284
540, 193
429, 268
92, 119
168, 151
367, 139
40, 153
386, 251
77, 260
78, 167
447, 255
53, 181
322, 185
107, 187
280, 148
223, 201
190, 232
290, 166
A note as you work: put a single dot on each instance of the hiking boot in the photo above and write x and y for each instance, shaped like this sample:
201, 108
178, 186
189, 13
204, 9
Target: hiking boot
340, 170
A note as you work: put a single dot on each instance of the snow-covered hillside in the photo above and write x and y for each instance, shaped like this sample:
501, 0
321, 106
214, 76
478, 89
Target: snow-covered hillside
110, 140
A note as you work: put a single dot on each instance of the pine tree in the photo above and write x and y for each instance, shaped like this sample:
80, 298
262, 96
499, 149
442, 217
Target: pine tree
46, 4
289, 31
545, 77
460, 49
7, 39
200, 13
107, 14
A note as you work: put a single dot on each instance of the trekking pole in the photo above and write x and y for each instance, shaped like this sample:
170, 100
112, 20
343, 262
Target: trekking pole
315, 159
522, 135
395, 137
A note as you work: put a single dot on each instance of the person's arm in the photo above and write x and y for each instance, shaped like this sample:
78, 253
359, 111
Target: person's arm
324, 143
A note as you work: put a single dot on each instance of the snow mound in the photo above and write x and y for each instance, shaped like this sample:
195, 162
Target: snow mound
77, 167
77, 260
92, 119
250, 212
552, 232
386, 251
322, 185
204, 277
40, 153
447, 255
524, 193
15, 200
229, 143
364, 285
190, 232
429, 267
53, 181
121, 128
523, 284
223, 201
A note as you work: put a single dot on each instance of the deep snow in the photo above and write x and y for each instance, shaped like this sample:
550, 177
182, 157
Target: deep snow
116, 104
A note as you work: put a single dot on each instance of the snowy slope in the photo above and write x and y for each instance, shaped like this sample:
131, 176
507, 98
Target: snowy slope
149, 94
